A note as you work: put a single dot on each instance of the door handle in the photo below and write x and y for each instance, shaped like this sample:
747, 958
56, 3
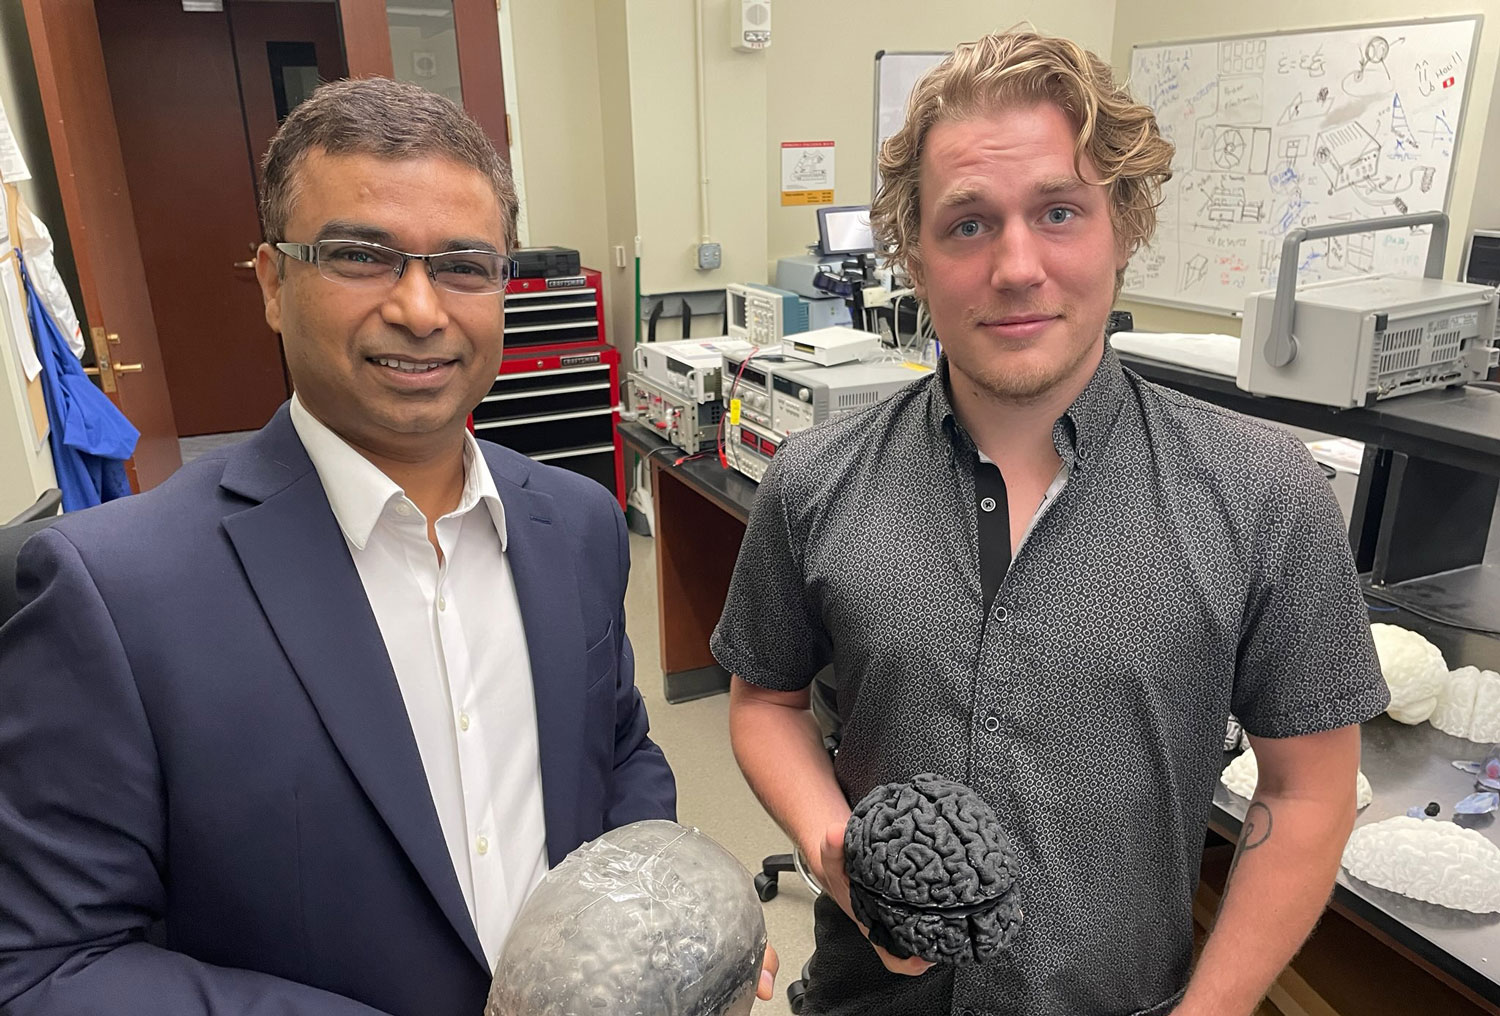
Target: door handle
129, 368
245, 264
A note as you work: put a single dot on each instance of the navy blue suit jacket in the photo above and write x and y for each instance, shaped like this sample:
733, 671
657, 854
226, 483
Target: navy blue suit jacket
211, 799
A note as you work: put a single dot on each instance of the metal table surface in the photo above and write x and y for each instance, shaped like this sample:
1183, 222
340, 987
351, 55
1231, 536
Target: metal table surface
734, 492
1458, 426
1406, 766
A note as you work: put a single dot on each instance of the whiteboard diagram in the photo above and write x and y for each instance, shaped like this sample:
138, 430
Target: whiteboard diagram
1282, 131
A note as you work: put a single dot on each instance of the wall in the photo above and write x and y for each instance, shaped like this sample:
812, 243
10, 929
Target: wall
611, 129
1150, 21
1484, 208
558, 99
665, 133
814, 82
612, 45
513, 123
821, 75
26, 468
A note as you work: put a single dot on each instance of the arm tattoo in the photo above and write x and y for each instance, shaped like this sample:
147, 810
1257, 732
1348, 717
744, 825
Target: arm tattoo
1254, 831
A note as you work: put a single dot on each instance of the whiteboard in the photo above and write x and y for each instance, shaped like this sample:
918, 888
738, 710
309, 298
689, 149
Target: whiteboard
896, 74
1279, 131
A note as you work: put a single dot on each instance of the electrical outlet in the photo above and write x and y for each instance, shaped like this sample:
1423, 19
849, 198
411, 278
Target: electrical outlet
710, 256
619, 256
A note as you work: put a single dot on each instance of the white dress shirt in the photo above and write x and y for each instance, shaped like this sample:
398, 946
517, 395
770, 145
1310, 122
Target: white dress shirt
454, 635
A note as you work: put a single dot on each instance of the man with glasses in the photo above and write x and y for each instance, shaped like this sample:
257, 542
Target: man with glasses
298, 731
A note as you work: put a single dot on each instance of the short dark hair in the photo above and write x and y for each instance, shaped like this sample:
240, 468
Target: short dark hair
384, 118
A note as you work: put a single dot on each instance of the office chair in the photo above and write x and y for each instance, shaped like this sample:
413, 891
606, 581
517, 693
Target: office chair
16, 532
46, 506
767, 883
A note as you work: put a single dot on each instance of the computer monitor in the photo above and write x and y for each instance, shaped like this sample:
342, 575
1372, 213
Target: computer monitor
845, 230
1482, 263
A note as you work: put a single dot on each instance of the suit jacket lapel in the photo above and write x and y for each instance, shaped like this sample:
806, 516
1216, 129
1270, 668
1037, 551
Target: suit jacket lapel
299, 566
552, 615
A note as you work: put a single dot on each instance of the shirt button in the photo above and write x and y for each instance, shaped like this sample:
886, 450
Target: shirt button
1001, 614
463, 721
402, 508
442, 603
482, 845
991, 723
988, 504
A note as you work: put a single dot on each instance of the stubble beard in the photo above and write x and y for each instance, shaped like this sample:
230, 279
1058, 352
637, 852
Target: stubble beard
1033, 381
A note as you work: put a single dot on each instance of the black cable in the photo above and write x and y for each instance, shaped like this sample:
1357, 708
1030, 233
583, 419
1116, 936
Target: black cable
652, 319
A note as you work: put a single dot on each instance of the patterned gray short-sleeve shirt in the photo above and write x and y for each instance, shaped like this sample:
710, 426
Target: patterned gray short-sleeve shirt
1195, 563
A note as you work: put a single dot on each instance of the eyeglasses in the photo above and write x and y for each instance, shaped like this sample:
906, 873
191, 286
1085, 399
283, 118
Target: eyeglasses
357, 262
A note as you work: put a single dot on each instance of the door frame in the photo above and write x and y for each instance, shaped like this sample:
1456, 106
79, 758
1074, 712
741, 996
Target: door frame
100, 218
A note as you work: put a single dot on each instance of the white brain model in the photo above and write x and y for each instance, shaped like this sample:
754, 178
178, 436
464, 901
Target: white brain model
1242, 774
1469, 705
1438, 862
1415, 671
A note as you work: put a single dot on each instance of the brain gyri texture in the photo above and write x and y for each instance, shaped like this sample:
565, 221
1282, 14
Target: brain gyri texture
931, 874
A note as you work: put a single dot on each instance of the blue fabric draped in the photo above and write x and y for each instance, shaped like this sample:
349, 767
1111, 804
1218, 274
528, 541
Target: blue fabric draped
91, 439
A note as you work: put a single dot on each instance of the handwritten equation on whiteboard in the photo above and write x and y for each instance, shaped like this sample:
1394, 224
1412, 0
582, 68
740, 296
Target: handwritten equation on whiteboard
1283, 131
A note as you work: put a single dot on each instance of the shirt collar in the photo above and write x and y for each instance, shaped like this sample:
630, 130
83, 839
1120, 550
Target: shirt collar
359, 493
1078, 435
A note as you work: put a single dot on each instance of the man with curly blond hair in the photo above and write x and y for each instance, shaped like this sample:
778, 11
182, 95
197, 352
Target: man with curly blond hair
1040, 575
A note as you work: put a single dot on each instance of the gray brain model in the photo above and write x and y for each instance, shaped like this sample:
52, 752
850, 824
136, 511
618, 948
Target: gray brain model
930, 872
651, 919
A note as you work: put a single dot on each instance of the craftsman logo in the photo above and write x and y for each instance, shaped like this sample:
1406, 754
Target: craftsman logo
578, 361
569, 282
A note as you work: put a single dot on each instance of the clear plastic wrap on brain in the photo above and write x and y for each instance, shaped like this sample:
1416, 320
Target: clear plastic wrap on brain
651, 919
931, 874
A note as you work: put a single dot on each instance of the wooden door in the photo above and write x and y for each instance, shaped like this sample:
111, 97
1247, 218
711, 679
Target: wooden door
96, 202
189, 160
476, 25
260, 30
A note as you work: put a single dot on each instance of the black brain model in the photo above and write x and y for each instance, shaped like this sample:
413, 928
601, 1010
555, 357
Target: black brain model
930, 872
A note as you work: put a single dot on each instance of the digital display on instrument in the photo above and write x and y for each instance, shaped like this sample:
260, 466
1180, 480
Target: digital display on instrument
1484, 259
845, 230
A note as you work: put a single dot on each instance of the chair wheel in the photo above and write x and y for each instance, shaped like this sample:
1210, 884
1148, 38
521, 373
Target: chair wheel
766, 887
796, 994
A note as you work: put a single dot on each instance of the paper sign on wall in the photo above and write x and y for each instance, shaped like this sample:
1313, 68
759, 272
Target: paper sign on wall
12, 164
807, 172
12, 295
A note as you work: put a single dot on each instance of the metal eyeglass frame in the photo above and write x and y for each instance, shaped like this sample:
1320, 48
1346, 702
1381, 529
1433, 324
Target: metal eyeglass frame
308, 253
